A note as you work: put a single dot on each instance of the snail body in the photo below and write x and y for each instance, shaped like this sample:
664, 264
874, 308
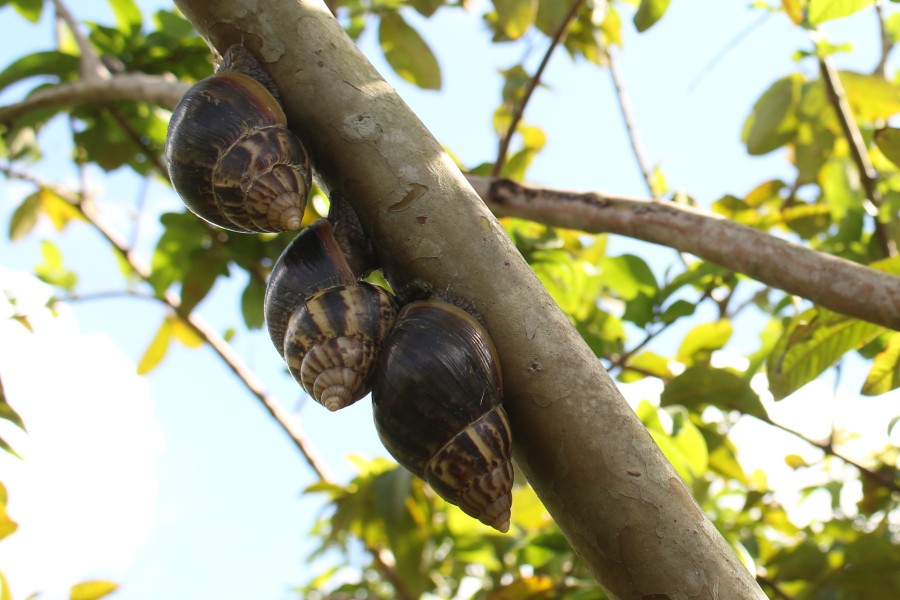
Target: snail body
231, 157
327, 326
437, 406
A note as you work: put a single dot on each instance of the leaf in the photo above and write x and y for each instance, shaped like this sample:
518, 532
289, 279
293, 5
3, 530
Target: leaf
30, 9
92, 590
884, 375
5, 594
52, 270
7, 525
888, 141
812, 342
252, 303
550, 15
514, 17
628, 276
407, 52
57, 64
702, 340
701, 386
128, 15
205, 267
772, 122
820, 11
870, 97
157, 349
794, 10
649, 12
25, 217
7, 412
426, 8
186, 334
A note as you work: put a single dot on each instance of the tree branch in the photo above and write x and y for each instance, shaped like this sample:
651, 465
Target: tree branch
858, 149
532, 85
589, 458
91, 66
829, 281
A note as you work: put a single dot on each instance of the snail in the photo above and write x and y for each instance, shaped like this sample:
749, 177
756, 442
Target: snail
327, 325
437, 407
231, 157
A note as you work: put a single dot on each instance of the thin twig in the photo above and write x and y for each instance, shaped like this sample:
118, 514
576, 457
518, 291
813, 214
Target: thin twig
883, 479
91, 66
858, 149
886, 43
532, 85
196, 323
634, 138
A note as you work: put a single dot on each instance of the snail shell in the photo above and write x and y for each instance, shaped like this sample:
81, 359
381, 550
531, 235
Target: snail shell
326, 325
437, 405
231, 157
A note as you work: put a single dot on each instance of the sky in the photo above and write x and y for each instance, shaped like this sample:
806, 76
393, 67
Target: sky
201, 481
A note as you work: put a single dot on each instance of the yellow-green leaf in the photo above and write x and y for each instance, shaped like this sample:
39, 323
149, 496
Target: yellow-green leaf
92, 590
701, 386
185, 334
7, 525
157, 349
870, 97
820, 11
514, 17
812, 342
5, 594
407, 52
794, 9
888, 141
25, 217
52, 270
884, 375
649, 12
58, 209
702, 340
773, 121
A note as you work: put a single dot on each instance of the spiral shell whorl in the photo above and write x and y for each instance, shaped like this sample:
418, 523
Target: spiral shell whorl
437, 406
337, 330
230, 155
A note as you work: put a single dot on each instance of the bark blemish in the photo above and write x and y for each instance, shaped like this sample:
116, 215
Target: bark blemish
416, 191
361, 127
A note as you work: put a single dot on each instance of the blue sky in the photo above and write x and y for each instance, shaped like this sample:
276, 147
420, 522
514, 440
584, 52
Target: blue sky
226, 518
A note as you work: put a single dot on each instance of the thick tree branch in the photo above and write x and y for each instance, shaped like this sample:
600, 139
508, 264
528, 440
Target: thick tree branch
829, 281
594, 465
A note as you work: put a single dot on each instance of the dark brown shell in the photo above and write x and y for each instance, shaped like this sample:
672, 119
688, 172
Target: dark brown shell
333, 339
232, 159
313, 261
437, 404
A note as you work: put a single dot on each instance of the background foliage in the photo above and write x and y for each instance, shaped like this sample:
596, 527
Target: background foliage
386, 533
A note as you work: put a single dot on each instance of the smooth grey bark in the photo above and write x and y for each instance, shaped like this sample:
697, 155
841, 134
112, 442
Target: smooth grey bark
592, 463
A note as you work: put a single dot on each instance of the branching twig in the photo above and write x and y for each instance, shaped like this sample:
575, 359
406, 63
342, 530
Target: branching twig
91, 66
198, 325
532, 85
829, 281
886, 43
867, 174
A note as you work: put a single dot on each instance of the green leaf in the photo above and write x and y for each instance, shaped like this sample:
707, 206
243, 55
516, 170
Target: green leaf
58, 64
52, 270
157, 349
685, 447
426, 8
773, 121
888, 141
550, 15
7, 412
646, 363
699, 344
25, 217
128, 15
407, 52
701, 386
628, 276
92, 590
514, 17
204, 269
30, 9
812, 342
252, 303
820, 11
884, 375
649, 12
